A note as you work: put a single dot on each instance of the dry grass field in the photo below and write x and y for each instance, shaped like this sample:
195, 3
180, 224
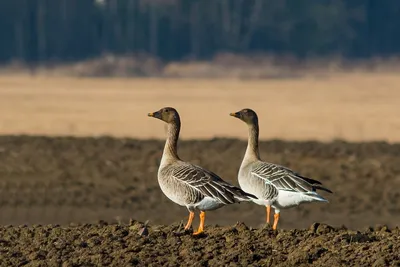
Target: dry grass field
354, 107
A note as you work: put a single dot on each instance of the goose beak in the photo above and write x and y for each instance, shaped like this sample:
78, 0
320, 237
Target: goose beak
156, 114
235, 114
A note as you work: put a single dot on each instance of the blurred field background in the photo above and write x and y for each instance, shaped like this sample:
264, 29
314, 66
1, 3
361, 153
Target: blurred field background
354, 107
323, 71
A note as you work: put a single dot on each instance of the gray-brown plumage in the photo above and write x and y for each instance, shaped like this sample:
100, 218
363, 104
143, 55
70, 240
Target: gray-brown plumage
272, 184
190, 185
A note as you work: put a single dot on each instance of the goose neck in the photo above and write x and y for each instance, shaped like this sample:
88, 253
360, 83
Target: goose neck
171, 144
252, 151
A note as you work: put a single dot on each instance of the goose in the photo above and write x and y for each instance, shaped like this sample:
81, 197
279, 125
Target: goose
273, 185
190, 185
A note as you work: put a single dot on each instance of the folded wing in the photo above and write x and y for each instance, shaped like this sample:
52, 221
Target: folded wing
209, 184
283, 178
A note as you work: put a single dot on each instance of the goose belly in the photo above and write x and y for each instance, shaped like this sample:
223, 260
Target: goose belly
178, 193
287, 199
208, 203
258, 188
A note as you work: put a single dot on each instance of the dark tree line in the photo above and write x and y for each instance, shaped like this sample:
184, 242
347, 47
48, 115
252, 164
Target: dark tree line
64, 30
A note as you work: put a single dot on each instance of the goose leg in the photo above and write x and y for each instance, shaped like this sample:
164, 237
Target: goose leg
190, 220
268, 212
276, 219
201, 226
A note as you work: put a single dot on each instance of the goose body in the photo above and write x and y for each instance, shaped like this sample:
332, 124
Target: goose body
277, 186
273, 185
190, 185
196, 188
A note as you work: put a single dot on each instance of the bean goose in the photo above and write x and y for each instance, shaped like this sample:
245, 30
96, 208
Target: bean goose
272, 184
189, 185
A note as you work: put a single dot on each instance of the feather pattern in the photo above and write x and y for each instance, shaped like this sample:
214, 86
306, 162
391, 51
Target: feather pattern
205, 183
283, 178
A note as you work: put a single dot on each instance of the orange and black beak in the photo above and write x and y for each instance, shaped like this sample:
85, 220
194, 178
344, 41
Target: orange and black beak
235, 114
156, 114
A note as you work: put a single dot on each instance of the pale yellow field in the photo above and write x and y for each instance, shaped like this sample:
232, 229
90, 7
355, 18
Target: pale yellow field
355, 107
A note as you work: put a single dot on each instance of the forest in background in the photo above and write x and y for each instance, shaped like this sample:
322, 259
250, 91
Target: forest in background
171, 30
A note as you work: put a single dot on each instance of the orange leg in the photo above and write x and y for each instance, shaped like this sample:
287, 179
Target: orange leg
268, 212
201, 226
189, 223
276, 219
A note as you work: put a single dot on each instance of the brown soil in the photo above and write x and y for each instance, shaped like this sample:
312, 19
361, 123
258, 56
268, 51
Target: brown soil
237, 245
47, 180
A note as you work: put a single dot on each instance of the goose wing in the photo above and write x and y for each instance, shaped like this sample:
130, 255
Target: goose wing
209, 184
284, 178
